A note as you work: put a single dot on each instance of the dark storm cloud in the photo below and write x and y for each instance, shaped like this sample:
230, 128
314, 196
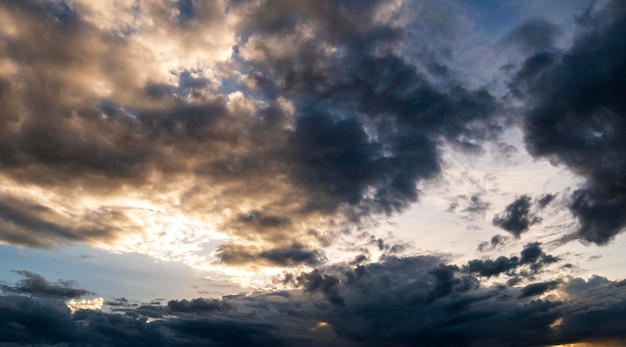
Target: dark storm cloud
412, 301
327, 284
367, 124
575, 116
531, 256
516, 217
537, 288
226, 332
488, 268
36, 285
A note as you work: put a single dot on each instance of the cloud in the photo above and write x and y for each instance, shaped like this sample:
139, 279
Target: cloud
35, 285
532, 256
535, 289
495, 242
198, 305
545, 200
379, 307
85, 304
286, 256
574, 116
475, 206
516, 217
25, 221
278, 128
317, 121
327, 284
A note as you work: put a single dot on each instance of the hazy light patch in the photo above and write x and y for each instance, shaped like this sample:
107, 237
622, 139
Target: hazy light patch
85, 304
169, 236
557, 323
320, 325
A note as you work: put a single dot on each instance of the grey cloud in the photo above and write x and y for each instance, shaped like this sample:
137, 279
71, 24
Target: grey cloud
369, 163
531, 256
545, 200
575, 116
36, 285
294, 255
32, 223
291, 255
477, 206
473, 207
495, 242
327, 284
120, 302
409, 301
517, 217
535, 289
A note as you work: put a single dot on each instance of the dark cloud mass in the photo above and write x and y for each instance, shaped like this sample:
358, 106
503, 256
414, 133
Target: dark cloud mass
409, 301
537, 288
532, 256
517, 217
575, 116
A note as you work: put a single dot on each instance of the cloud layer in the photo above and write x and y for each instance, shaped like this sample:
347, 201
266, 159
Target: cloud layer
412, 301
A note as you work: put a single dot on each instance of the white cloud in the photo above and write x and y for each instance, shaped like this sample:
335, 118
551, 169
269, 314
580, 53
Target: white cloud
85, 304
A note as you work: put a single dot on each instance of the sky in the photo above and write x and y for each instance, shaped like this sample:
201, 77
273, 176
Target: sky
312, 173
